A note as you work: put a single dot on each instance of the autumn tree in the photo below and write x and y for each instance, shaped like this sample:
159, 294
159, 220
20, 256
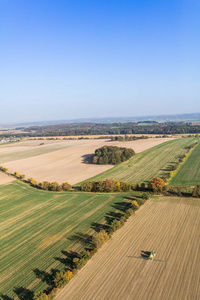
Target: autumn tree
100, 238
134, 205
44, 185
40, 296
108, 185
68, 275
156, 184
87, 186
60, 279
196, 191
66, 186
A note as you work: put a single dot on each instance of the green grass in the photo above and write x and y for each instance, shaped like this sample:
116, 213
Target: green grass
153, 162
37, 225
189, 172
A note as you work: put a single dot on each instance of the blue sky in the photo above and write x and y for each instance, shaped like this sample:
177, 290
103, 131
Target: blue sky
78, 59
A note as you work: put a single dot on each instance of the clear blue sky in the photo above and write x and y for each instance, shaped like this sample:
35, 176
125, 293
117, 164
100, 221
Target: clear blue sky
77, 59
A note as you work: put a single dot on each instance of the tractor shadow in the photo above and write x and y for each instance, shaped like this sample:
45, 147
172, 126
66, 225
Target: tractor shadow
145, 254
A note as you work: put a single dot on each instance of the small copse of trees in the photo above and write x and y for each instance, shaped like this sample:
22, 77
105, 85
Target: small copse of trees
112, 155
106, 186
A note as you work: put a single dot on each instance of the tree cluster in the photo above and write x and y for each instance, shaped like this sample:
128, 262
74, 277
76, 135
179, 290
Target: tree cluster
127, 138
156, 184
54, 186
106, 186
196, 191
112, 155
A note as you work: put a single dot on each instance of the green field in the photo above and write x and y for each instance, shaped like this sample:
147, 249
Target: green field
37, 225
189, 172
153, 162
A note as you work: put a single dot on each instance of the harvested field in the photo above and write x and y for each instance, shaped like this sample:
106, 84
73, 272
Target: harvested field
189, 172
5, 178
36, 226
170, 226
153, 162
62, 160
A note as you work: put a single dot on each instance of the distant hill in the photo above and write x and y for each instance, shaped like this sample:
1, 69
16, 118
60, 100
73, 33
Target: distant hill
158, 118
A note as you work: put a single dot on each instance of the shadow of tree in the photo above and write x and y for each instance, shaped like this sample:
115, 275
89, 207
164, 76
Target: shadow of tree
5, 297
87, 158
98, 226
46, 277
123, 206
23, 294
82, 238
67, 260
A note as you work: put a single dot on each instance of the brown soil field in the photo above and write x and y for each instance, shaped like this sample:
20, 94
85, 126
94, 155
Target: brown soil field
167, 225
62, 161
5, 178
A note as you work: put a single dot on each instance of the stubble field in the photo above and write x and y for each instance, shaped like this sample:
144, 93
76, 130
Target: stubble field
170, 226
62, 161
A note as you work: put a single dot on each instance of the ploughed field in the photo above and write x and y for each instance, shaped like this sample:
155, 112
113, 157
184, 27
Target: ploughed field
167, 225
37, 225
189, 172
60, 160
156, 161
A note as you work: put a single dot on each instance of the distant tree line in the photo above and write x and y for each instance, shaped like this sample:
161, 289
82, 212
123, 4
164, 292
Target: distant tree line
112, 155
108, 129
127, 138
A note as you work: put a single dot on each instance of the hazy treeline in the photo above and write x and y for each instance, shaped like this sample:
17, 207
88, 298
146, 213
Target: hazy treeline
108, 129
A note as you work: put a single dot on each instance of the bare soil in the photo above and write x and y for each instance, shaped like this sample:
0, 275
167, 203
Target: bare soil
169, 226
5, 178
47, 162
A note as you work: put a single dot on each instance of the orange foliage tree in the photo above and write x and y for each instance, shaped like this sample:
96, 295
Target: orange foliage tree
156, 184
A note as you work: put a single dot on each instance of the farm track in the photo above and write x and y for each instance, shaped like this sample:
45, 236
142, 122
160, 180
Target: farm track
38, 225
170, 226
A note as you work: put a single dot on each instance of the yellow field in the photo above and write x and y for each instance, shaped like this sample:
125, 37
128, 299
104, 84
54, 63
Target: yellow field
170, 226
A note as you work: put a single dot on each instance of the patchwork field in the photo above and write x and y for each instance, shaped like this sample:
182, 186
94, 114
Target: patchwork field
170, 226
62, 161
37, 225
153, 162
189, 172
